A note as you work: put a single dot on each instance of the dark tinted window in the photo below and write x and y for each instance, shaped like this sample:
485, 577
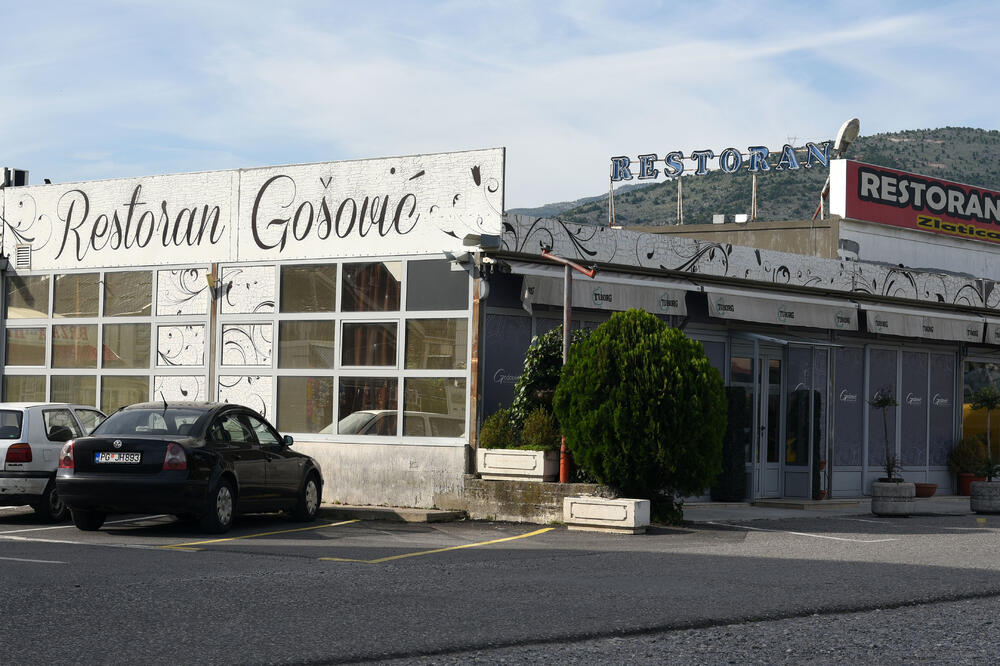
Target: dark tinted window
171, 421
432, 285
10, 424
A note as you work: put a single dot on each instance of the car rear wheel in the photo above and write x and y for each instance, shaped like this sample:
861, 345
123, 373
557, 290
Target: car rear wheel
309, 497
221, 508
51, 506
89, 521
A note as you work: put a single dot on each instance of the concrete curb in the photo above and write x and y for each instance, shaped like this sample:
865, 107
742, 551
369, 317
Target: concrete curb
388, 513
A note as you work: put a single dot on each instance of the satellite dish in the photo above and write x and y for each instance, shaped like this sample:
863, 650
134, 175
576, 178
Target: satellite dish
847, 134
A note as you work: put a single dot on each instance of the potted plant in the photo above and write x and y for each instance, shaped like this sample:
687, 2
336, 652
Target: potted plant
966, 460
985, 495
891, 495
529, 455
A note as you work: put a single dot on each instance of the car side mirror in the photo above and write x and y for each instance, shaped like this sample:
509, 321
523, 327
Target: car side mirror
287, 440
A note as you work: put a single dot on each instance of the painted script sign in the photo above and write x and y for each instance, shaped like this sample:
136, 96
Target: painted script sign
421, 204
757, 159
886, 196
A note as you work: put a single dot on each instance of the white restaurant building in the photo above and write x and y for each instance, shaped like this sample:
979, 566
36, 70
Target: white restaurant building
377, 310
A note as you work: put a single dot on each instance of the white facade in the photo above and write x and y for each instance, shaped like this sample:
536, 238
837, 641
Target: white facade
333, 298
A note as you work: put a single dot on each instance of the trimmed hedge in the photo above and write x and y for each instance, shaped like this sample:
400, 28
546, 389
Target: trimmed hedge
643, 410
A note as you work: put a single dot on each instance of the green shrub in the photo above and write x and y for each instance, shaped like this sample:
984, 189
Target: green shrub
643, 410
731, 484
498, 432
540, 431
968, 456
542, 368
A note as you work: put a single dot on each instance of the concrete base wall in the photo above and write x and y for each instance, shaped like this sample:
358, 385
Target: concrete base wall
390, 475
520, 501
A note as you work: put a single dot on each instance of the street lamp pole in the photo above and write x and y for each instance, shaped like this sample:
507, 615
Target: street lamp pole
567, 321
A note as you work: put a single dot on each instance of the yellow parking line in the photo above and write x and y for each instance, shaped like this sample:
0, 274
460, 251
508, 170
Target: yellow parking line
438, 550
184, 546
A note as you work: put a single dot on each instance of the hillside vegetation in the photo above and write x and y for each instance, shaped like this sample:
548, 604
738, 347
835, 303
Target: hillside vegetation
960, 154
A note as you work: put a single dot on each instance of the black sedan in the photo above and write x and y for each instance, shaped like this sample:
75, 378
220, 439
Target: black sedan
198, 461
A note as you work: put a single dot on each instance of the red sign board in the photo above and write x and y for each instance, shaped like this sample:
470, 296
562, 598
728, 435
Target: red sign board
887, 196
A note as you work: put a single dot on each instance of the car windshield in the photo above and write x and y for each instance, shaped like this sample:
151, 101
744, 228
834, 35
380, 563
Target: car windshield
10, 424
170, 421
354, 423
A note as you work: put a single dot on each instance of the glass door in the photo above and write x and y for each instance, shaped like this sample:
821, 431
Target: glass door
758, 371
770, 424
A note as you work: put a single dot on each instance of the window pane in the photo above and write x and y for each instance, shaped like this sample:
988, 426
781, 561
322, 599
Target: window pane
126, 345
76, 389
848, 414
369, 344
432, 285
368, 406
305, 404
797, 423
437, 343
309, 288
75, 295
978, 375
434, 407
27, 297
25, 346
942, 407
371, 287
24, 388
60, 418
913, 404
881, 376
119, 391
128, 294
306, 344
74, 346
89, 419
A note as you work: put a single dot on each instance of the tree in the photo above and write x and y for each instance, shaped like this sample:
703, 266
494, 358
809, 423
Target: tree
542, 367
643, 410
988, 398
883, 400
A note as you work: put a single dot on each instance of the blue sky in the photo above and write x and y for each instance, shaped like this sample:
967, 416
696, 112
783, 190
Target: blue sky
119, 89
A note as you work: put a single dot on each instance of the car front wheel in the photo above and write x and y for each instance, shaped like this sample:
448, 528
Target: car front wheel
308, 503
89, 521
221, 508
51, 506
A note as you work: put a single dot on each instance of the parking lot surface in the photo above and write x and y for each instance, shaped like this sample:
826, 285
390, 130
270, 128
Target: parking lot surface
344, 591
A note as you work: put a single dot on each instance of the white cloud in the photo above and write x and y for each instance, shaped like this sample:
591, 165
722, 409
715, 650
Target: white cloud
563, 86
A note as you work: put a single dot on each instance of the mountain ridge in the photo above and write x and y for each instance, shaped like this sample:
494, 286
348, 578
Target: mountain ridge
962, 154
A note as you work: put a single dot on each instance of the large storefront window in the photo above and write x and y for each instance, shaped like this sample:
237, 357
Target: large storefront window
849, 397
978, 375
881, 422
307, 345
913, 409
941, 403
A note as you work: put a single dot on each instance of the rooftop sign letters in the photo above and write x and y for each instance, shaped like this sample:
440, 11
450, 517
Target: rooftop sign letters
887, 196
756, 160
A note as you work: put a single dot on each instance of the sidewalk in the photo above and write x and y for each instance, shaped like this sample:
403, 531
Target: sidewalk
721, 512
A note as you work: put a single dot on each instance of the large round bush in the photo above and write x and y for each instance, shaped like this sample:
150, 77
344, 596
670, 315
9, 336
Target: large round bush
642, 409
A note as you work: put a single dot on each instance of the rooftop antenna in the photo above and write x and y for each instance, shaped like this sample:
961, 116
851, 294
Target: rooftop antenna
847, 135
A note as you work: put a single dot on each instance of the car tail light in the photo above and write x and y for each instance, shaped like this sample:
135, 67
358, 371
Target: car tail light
66, 456
175, 458
18, 453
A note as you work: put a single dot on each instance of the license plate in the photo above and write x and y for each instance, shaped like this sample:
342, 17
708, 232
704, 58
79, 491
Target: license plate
131, 457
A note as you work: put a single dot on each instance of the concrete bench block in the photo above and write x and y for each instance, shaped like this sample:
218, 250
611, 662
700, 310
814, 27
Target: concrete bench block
517, 465
623, 516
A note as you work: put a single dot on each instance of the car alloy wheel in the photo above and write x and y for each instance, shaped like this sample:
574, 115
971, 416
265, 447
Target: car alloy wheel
221, 508
51, 506
308, 504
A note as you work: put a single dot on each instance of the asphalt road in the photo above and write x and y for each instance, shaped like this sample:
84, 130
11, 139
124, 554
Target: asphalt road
149, 589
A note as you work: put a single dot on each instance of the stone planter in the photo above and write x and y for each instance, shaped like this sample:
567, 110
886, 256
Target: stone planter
893, 499
599, 514
985, 497
517, 465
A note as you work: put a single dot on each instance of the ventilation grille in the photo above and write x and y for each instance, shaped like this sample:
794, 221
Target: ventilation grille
22, 257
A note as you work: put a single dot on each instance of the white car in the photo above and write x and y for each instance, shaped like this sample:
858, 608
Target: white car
31, 436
